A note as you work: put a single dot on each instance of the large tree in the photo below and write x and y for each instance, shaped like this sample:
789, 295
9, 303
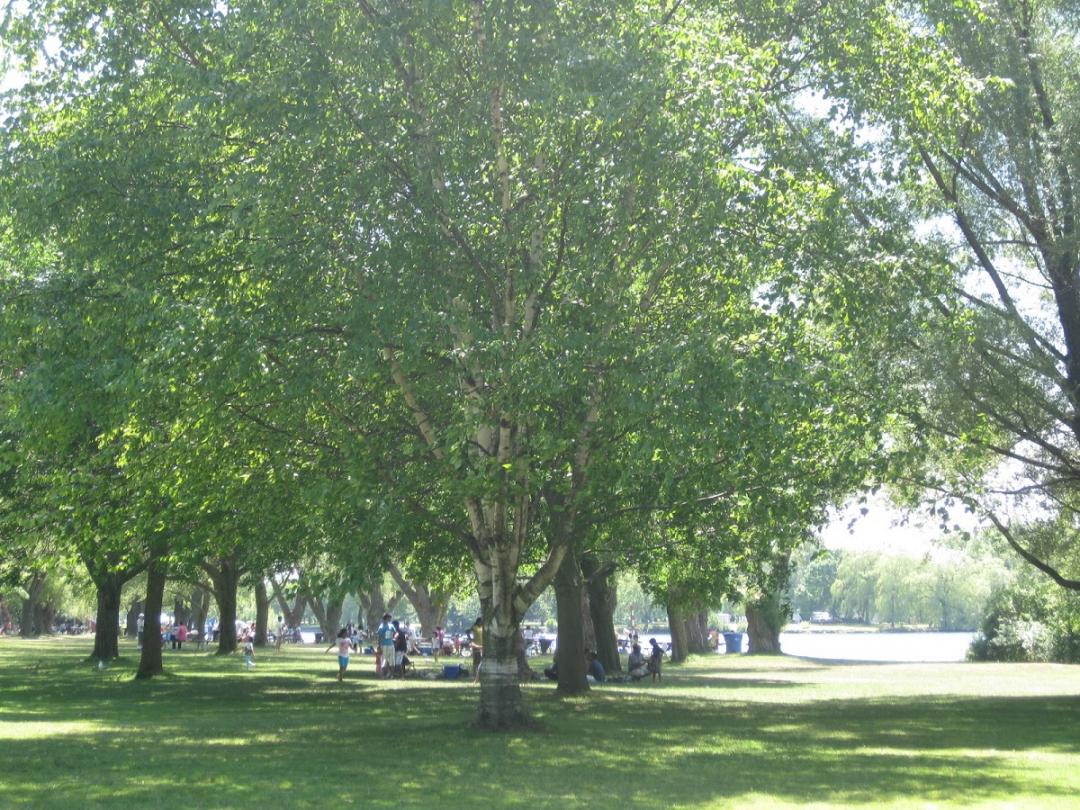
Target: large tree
973, 109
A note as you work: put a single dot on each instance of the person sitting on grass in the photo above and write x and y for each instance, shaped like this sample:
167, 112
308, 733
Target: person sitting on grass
655, 658
344, 647
595, 672
636, 664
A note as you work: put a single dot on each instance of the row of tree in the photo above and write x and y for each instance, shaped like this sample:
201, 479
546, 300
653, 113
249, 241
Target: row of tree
535, 291
944, 592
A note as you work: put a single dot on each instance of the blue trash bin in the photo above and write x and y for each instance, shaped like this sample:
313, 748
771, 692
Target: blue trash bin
733, 642
452, 672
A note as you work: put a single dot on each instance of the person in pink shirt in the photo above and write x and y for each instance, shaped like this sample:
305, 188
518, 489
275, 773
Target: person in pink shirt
180, 636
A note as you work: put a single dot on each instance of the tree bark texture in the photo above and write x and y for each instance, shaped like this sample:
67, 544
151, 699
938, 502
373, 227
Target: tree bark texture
200, 605
181, 612
430, 606
680, 642
570, 653
291, 615
131, 628
602, 599
697, 632
761, 626
501, 702
328, 612
30, 625
150, 658
262, 612
107, 631
225, 576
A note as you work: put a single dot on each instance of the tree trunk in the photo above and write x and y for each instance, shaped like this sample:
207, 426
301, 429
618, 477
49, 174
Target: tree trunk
200, 604
680, 643
292, 616
697, 632
30, 625
602, 601
181, 612
225, 577
430, 606
375, 604
762, 626
328, 613
501, 703
570, 653
44, 613
150, 659
262, 612
131, 629
107, 632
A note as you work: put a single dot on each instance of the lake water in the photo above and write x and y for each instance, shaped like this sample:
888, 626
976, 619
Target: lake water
900, 647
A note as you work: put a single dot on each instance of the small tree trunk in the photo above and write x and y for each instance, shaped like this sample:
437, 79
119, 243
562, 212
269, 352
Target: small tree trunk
150, 659
200, 604
570, 653
602, 600
762, 626
680, 645
292, 616
27, 626
697, 633
226, 578
107, 632
262, 612
44, 613
131, 629
430, 606
328, 612
30, 626
330, 617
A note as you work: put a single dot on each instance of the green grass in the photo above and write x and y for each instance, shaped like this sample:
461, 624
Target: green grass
722, 731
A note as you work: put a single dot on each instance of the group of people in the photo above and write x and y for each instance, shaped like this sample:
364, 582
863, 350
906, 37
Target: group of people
637, 665
174, 635
641, 667
393, 643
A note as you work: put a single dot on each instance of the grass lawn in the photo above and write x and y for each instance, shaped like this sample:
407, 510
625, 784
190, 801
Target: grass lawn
721, 731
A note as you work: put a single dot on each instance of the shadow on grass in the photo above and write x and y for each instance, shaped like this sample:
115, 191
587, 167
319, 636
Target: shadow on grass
289, 735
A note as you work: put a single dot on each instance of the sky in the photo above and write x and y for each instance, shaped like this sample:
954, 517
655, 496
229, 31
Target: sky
886, 528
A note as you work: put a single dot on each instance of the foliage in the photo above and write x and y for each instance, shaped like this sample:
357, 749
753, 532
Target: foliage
945, 590
1029, 619
972, 109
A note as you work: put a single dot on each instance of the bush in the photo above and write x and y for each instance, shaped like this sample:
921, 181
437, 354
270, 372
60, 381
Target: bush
1031, 619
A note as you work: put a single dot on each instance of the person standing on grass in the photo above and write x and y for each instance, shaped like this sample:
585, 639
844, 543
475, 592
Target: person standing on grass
655, 658
401, 646
249, 652
344, 647
437, 641
385, 635
180, 636
477, 646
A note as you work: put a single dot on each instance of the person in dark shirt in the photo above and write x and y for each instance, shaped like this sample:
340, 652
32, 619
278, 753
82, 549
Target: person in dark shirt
636, 664
596, 669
